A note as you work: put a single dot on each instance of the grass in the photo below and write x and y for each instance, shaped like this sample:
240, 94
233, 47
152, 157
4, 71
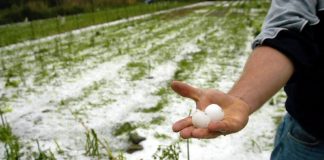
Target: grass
86, 92
11, 142
158, 107
187, 66
15, 33
157, 120
126, 127
43, 154
161, 136
163, 91
58, 148
170, 152
92, 144
137, 70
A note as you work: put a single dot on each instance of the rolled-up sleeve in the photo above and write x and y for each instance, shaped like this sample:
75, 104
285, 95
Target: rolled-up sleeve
287, 15
290, 27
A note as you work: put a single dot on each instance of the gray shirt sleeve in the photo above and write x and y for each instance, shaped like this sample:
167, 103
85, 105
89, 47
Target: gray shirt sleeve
287, 15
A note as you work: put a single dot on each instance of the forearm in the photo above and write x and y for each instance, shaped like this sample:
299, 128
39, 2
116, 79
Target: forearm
266, 71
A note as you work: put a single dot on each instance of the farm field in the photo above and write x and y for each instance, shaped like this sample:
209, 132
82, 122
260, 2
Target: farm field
31, 30
81, 94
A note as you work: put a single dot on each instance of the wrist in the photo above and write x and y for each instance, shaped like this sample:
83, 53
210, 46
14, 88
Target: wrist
242, 102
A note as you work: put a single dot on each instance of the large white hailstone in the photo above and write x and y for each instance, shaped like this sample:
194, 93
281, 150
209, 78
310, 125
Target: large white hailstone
214, 112
200, 119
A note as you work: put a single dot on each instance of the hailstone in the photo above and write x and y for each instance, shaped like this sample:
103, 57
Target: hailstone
200, 119
214, 112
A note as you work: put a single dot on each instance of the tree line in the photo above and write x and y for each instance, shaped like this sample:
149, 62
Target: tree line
20, 10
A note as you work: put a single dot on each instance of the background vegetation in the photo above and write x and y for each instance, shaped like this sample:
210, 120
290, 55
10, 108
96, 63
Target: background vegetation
49, 17
22, 10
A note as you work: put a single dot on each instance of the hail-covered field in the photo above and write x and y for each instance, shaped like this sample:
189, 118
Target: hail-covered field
114, 79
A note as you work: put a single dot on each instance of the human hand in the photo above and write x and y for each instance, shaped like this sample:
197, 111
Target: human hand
236, 112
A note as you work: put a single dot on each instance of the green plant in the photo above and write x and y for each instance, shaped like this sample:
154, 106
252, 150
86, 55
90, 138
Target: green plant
124, 128
32, 31
43, 155
109, 152
157, 120
162, 91
12, 145
4, 107
170, 152
12, 83
187, 66
92, 144
58, 148
86, 92
157, 107
3, 66
111, 156
161, 136
120, 156
137, 70
255, 145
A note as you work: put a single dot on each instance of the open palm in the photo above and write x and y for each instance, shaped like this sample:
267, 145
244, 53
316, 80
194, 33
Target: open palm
236, 112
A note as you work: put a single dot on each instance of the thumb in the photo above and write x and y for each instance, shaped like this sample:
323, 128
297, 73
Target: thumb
186, 90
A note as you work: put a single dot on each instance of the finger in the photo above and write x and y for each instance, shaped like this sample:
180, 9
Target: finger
217, 97
204, 133
202, 103
180, 125
186, 133
185, 90
222, 126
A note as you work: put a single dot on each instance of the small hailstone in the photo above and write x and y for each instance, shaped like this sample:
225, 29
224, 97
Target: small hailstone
214, 112
200, 119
